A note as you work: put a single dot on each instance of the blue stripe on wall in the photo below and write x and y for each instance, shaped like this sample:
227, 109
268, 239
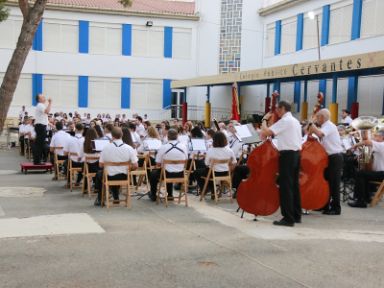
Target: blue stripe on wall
325, 25
37, 86
83, 37
297, 95
353, 83
168, 39
278, 37
300, 32
276, 86
356, 19
127, 40
167, 93
125, 93
37, 43
323, 89
83, 92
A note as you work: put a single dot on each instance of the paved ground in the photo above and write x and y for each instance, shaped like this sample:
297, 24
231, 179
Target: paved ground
153, 246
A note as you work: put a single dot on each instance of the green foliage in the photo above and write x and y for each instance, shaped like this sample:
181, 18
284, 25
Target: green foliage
4, 12
126, 3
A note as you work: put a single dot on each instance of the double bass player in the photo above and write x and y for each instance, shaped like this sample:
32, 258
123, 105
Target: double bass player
287, 130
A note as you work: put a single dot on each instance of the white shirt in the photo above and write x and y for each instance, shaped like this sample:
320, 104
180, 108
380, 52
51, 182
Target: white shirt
29, 129
331, 139
166, 152
40, 116
220, 153
21, 129
209, 143
141, 130
288, 133
60, 139
91, 155
75, 144
236, 145
184, 138
117, 151
347, 120
135, 138
378, 156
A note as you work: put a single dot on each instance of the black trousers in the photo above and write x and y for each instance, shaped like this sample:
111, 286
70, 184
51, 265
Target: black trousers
114, 189
362, 186
333, 176
21, 140
199, 163
239, 174
75, 165
39, 144
154, 178
203, 172
290, 201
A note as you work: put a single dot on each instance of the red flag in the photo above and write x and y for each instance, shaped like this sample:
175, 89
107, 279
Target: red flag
235, 103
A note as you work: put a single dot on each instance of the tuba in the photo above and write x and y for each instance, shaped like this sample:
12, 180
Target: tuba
365, 125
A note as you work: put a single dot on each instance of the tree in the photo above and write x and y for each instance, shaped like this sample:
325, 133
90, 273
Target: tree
32, 14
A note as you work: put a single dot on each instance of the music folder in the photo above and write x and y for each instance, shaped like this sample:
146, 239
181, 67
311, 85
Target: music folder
198, 145
248, 134
98, 145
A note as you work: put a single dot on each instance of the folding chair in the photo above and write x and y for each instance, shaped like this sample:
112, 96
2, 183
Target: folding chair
88, 176
213, 178
141, 173
181, 180
72, 171
58, 163
192, 167
122, 183
379, 193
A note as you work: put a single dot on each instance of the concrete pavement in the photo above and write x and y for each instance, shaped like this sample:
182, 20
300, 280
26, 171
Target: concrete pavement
201, 246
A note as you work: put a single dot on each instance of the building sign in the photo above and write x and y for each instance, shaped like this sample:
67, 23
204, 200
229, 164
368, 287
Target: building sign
336, 65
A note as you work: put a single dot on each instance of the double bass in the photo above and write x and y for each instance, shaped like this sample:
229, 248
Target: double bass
259, 194
314, 189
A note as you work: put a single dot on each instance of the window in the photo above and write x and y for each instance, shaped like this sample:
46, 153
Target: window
60, 36
310, 37
9, 31
105, 39
104, 93
62, 89
288, 35
370, 95
270, 40
146, 94
182, 42
287, 91
372, 20
147, 42
340, 22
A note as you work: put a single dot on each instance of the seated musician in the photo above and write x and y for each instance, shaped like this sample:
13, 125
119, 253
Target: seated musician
91, 135
21, 134
116, 151
75, 144
196, 133
209, 138
59, 139
220, 151
107, 131
173, 150
234, 141
363, 177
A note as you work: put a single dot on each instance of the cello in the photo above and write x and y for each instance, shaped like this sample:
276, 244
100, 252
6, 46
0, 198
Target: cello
259, 194
314, 189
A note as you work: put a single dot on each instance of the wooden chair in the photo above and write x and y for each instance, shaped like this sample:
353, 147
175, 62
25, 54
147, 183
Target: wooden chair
164, 180
192, 167
222, 179
27, 148
88, 176
58, 163
122, 183
379, 193
72, 171
141, 173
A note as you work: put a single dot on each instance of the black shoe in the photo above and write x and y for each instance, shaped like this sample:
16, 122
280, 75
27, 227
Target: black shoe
331, 212
152, 197
298, 221
97, 202
357, 204
283, 222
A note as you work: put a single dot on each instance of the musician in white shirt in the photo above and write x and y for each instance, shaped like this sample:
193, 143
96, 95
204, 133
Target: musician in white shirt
234, 140
289, 140
219, 151
173, 150
107, 131
345, 117
330, 139
21, 134
59, 139
363, 177
75, 144
41, 122
116, 151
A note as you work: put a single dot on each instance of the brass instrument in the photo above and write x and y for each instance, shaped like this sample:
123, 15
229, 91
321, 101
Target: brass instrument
364, 125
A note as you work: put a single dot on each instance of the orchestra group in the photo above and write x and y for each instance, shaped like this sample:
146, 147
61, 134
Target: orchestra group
127, 139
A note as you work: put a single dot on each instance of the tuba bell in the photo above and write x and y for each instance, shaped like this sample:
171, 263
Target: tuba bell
365, 125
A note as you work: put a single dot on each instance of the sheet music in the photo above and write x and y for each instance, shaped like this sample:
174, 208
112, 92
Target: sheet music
198, 145
152, 144
100, 144
243, 131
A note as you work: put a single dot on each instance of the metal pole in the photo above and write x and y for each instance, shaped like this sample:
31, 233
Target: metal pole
318, 37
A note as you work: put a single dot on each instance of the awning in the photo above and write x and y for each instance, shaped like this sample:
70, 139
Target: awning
356, 65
